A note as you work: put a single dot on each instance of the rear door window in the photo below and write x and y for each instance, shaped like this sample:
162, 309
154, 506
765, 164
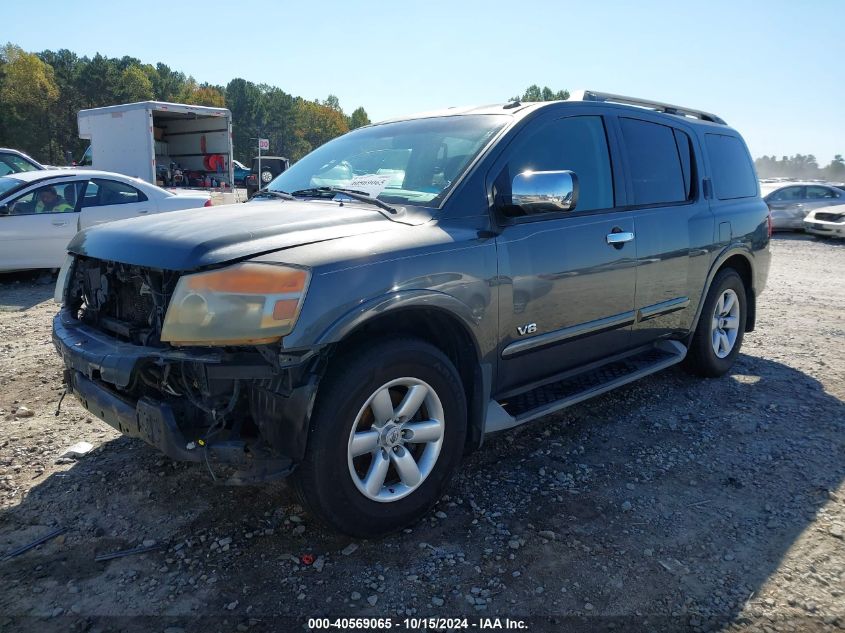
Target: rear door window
733, 171
816, 192
654, 162
100, 193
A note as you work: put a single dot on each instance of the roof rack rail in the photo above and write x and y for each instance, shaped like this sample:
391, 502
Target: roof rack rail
668, 108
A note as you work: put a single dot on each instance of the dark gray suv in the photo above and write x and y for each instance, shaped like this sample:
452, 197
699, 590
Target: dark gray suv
411, 286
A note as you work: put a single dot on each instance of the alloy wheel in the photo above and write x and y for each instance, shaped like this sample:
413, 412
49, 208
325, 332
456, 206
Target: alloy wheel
725, 323
396, 439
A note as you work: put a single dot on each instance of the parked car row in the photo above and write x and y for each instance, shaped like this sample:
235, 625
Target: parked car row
791, 203
41, 210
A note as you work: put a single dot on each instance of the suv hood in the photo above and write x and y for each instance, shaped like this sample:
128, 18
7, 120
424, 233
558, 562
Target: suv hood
191, 239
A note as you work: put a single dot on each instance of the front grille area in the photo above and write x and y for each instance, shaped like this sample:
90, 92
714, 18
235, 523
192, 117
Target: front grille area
124, 300
830, 217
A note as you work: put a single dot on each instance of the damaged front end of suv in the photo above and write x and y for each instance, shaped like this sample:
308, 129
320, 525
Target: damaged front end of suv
190, 363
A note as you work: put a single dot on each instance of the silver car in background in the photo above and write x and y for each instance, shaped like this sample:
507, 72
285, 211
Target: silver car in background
791, 202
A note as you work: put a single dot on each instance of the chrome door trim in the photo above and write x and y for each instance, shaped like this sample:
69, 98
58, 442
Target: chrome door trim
573, 331
664, 307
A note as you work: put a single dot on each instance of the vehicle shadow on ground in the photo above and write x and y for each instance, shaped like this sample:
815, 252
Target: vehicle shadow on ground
672, 495
20, 291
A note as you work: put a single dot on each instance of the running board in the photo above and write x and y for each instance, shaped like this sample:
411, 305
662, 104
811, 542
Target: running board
572, 389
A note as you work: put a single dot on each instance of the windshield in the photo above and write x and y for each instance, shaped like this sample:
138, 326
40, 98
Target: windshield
7, 184
12, 163
408, 162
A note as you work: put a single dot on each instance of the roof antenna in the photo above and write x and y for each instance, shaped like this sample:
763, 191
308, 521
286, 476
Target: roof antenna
511, 105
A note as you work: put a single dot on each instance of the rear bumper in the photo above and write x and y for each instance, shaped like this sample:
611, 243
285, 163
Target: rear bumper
101, 371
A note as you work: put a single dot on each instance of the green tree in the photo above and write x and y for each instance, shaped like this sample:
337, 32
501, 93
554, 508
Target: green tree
315, 124
535, 93
358, 118
28, 82
201, 94
134, 85
98, 82
243, 98
28, 92
333, 102
836, 169
167, 83
65, 139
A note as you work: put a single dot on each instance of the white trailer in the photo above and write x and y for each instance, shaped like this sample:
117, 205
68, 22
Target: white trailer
143, 140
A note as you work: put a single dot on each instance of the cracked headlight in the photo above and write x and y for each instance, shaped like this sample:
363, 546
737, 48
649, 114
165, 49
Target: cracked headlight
244, 304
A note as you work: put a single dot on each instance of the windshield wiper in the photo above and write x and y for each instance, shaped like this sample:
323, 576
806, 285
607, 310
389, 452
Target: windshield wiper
350, 193
284, 195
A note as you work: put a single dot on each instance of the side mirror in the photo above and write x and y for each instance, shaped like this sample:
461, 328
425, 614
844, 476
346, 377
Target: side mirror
545, 191
5, 210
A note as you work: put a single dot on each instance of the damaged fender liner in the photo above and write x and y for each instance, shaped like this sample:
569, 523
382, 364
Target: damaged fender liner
98, 368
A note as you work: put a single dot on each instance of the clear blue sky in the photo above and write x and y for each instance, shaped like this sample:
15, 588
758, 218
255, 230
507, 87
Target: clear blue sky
774, 70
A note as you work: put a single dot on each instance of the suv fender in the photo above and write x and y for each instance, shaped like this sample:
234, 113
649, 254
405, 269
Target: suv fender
735, 249
481, 366
430, 299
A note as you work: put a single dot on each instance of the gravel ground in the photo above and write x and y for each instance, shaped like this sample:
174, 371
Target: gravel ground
672, 504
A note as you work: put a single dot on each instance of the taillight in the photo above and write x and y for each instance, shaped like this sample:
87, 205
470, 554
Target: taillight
207, 203
769, 222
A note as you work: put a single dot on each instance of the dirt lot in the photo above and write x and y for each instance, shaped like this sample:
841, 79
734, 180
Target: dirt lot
672, 504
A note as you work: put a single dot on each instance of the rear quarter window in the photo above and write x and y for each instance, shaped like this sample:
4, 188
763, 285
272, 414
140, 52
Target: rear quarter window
733, 171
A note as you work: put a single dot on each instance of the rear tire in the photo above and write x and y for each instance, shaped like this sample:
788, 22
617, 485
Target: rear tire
721, 327
359, 410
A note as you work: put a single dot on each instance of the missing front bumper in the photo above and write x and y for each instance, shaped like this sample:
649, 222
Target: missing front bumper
155, 423
103, 372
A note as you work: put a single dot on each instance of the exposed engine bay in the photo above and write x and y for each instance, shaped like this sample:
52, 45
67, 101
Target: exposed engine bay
237, 405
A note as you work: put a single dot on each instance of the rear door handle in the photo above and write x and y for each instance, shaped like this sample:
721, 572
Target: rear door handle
619, 238
60, 222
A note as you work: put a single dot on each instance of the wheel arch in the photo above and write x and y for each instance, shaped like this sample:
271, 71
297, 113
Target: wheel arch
739, 258
442, 321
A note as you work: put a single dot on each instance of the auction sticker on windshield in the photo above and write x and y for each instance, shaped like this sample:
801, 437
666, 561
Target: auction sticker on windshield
371, 184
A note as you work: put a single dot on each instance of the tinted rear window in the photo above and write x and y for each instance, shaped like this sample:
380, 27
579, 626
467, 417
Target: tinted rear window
733, 173
654, 163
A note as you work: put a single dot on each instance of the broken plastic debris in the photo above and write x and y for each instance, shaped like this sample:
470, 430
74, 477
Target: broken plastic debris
80, 449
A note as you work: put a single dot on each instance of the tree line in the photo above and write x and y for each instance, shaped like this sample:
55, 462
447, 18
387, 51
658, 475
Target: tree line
41, 94
802, 166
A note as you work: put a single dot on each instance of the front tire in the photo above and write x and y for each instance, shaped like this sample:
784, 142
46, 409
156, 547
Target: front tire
721, 327
386, 436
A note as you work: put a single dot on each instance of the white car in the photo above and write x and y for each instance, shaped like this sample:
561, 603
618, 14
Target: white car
40, 211
826, 222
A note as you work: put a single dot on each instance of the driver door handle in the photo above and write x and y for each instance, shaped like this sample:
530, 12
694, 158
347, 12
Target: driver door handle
60, 222
620, 238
